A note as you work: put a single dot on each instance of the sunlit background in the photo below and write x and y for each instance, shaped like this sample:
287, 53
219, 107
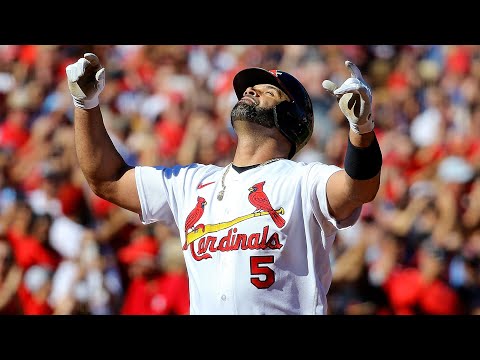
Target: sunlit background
63, 250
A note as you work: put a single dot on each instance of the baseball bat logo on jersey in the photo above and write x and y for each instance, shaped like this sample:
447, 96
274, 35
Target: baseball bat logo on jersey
232, 241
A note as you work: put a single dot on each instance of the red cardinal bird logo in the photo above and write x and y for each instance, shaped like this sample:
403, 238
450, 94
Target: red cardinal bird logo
260, 200
195, 215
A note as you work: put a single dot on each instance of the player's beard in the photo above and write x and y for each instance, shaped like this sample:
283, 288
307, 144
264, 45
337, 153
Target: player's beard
257, 115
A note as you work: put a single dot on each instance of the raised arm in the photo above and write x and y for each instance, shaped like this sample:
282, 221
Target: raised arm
359, 182
103, 167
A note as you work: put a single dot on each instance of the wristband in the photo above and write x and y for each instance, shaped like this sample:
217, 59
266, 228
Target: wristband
363, 163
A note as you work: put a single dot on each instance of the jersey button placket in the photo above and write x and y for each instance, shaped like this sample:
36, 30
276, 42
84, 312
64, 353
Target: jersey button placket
229, 276
226, 281
230, 201
232, 183
223, 277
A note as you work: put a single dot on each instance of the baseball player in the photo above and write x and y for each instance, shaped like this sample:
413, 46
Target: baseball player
256, 234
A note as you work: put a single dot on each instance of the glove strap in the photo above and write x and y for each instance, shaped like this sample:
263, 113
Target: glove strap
85, 104
363, 128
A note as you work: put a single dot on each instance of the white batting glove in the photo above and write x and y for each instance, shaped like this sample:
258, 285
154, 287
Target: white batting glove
86, 80
355, 99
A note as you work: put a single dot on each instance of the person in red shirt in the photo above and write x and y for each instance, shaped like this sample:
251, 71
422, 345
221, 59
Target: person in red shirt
35, 289
158, 281
422, 290
33, 248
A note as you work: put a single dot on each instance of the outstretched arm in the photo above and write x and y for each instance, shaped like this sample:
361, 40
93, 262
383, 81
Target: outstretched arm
103, 167
359, 182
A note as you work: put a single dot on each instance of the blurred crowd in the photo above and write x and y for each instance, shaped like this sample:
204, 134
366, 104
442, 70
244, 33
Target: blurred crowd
63, 250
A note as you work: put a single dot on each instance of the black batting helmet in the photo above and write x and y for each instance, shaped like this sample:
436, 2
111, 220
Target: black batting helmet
294, 119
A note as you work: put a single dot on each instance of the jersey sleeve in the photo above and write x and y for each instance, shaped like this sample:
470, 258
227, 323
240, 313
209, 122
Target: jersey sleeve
160, 191
319, 175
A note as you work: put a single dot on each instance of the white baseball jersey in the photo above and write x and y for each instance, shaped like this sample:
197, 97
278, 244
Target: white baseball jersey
263, 249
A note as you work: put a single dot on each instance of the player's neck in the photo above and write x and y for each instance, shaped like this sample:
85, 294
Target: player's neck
250, 152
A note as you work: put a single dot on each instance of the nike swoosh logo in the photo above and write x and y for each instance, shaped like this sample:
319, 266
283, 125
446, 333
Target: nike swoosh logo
203, 185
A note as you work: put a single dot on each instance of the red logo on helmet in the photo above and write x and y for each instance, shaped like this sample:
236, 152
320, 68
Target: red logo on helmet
275, 72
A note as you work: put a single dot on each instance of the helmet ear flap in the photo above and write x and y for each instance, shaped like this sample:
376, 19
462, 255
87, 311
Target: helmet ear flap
294, 124
283, 116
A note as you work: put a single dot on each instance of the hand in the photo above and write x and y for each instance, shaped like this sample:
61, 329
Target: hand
86, 80
355, 99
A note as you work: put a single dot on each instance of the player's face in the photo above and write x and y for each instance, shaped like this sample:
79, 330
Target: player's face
257, 105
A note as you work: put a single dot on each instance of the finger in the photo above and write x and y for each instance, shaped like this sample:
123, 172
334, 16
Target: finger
365, 93
100, 75
74, 71
92, 59
354, 70
329, 86
353, 85
350, 85
70, 70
